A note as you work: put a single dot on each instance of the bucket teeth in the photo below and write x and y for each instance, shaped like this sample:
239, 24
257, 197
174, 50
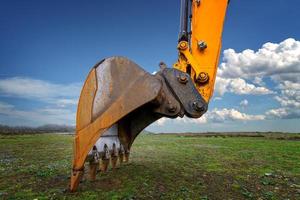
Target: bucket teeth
114, 156
95, 155
116, 92
104, 165
76, 177
114, 161
93, 170
105, 159
93, 164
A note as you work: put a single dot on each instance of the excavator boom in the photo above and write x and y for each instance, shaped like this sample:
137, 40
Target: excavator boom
119, 99
199, 47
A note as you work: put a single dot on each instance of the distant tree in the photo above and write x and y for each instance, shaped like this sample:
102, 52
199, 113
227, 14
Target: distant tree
48, 128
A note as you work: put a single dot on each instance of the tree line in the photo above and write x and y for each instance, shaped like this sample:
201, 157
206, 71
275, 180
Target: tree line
49, 128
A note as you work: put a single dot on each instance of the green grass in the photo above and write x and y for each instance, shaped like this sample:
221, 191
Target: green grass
161, 167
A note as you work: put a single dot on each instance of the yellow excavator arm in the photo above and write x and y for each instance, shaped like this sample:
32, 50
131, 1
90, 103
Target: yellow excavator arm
119, 99
199, 48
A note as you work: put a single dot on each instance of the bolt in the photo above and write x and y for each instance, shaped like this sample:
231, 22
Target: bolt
182, 78
183, 45
202, 78
198, 106
202, 45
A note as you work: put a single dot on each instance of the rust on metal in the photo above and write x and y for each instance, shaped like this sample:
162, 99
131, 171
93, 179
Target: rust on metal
121, 99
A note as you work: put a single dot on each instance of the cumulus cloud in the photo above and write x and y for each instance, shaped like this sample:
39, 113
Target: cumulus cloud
62, 94
239, 86
277, 113
280, 62
259, 81
289, 100
225, 114
244, 73
275, 60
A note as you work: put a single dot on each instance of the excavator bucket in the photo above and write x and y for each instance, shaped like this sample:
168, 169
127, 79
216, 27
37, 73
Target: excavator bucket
118, 100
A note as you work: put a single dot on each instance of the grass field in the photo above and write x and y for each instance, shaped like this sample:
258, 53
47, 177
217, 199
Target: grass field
161, 167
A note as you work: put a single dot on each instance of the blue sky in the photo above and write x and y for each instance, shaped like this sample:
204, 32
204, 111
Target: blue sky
48, 47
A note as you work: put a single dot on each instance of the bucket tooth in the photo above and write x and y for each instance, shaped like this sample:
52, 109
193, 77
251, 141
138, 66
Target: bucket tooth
93, 170
76, 177
93, 164
105, 159
114, 161
104, 165
114, 156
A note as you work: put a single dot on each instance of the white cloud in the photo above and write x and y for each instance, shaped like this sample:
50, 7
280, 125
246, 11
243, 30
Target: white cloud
244, 103
217, 98
278, 62
161, 121
286, 101
59, 101
277, 113
36, 117
290, 90
259, 81
66, 102
239, 86
63, 94
231, 115
289, 100
215, 116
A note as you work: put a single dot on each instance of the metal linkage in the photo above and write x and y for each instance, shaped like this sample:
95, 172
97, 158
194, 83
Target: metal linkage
182, 87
